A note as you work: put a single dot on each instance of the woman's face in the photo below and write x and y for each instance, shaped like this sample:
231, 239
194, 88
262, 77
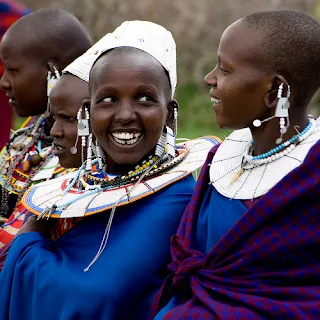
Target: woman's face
24, 79
129, 106
239, 81
65, 100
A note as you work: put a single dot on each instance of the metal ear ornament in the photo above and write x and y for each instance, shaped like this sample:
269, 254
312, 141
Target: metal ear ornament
83, 131
282, 112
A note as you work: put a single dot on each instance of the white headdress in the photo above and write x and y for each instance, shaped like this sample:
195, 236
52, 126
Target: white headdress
148, 37
82, 65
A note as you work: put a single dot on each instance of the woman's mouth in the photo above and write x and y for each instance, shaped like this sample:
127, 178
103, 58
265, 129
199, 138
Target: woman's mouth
57, 149
12, 101
126, 138
215, 100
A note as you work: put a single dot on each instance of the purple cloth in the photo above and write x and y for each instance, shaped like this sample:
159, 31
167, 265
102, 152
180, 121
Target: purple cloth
266, 267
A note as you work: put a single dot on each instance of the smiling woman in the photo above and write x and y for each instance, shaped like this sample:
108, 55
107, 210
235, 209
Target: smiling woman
130, 105
130, 198
247, 245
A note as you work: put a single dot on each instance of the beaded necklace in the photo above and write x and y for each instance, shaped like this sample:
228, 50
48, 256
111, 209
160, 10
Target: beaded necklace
21, 159
95, 183
249, 161
237, 174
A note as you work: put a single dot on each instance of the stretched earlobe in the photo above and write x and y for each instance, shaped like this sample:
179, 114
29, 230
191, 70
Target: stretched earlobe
53, 77
271, 97
280, 103
86, 103
172, 117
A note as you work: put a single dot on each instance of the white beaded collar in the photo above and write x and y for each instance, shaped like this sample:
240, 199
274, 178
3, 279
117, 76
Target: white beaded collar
258, 181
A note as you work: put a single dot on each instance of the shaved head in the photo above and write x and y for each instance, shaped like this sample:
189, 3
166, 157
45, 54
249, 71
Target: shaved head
50, 34
291, 47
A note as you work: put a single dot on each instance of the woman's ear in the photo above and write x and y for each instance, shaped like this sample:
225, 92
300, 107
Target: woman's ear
86, 104
271, 97
173, 107
53, 68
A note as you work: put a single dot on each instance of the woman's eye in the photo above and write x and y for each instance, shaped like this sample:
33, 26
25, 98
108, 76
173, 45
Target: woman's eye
108, 99
145, 99
11, 70
223, 70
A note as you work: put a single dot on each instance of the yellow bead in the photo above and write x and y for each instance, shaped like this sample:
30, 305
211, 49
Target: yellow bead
155, 166
148, 163
144, 166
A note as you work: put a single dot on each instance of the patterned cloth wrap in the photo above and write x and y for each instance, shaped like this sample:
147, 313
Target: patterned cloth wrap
265, 267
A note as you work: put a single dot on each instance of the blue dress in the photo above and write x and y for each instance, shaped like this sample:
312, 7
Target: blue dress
44, 279
217, 216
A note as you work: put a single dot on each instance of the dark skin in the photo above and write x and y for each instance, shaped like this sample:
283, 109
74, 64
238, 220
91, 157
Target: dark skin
128, 95
247, 90
25, 76
33, 225
20, 72
65, 100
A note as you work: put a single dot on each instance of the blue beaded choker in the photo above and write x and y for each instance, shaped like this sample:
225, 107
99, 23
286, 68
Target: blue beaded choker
285, 144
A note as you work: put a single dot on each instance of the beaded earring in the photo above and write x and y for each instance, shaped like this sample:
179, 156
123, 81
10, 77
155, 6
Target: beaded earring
166, 144
282, 112
89, 154
83, 131
170, 142
175, 119
52, 80
160, 147
99, 155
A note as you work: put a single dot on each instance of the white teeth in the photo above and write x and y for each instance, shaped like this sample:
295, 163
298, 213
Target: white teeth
131, 141
126, 137
215, 101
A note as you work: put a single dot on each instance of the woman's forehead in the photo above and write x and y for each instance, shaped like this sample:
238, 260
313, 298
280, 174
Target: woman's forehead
134, 66
240, 44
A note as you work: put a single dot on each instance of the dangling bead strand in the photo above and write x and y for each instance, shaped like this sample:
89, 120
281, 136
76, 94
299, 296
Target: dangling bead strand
99, 155
89, 153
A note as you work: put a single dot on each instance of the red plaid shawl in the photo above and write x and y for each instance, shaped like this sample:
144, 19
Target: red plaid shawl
266, 267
